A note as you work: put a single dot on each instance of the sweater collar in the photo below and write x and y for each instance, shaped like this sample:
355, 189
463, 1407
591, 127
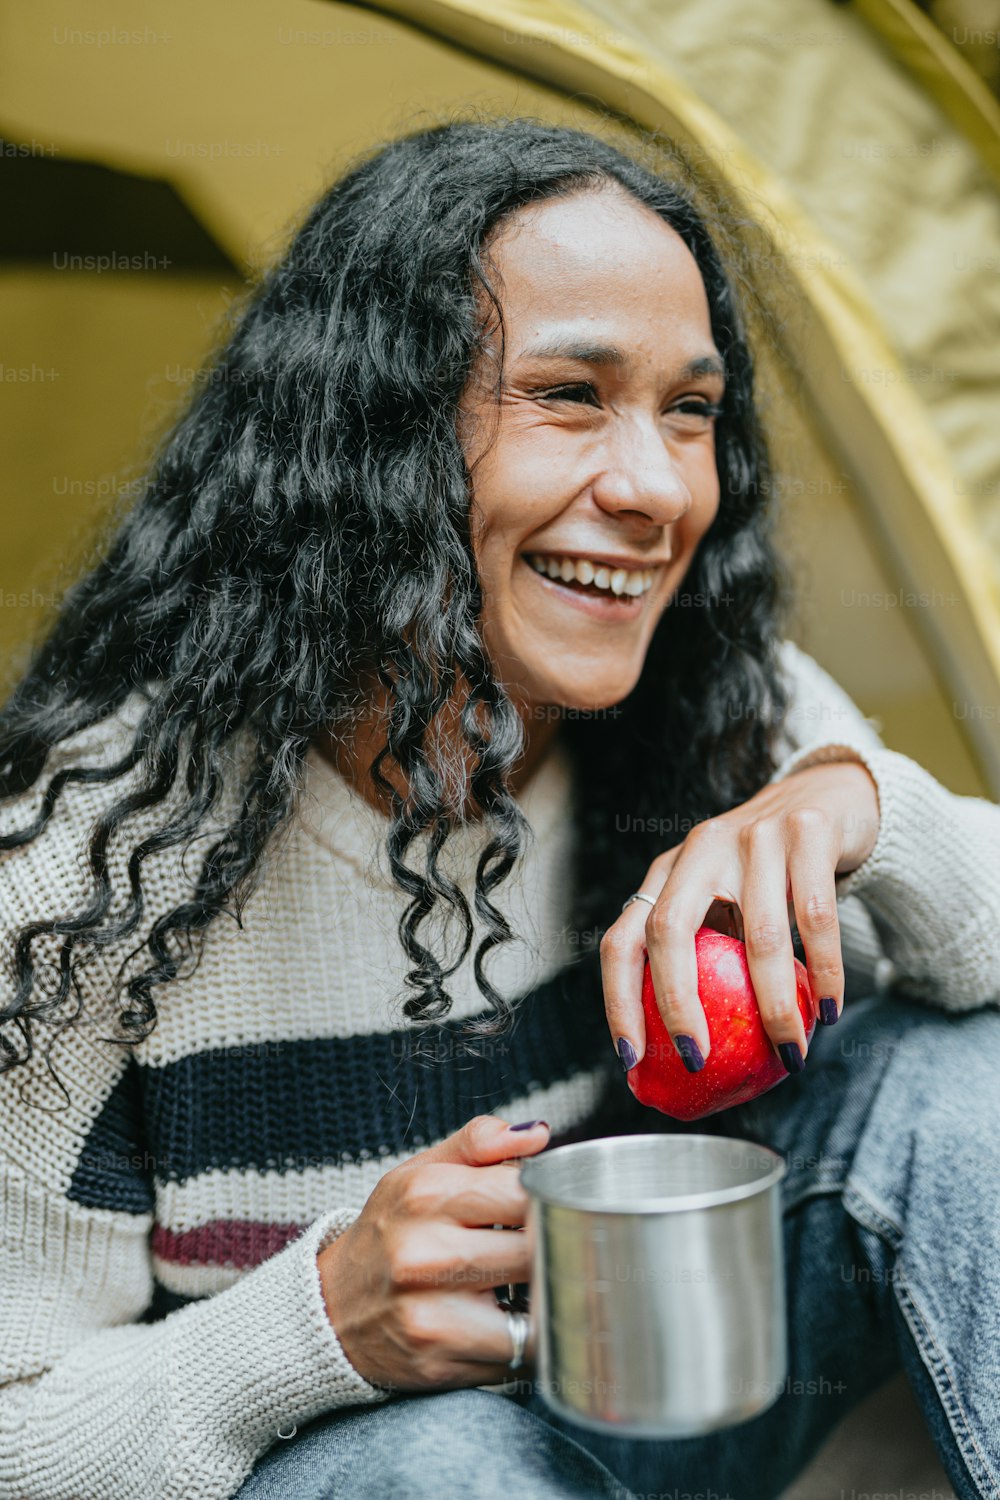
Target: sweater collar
335, 814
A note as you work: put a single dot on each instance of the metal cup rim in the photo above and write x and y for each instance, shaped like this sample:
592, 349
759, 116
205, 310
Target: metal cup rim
533, 1166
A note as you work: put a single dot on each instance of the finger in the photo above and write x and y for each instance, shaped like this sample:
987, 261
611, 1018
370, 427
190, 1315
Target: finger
812, 868
464, 1260
768, 938
468, 1196
485, 1140
493, 1343
494, 1196
695, 886
467, 1338
505, 1350
623, 952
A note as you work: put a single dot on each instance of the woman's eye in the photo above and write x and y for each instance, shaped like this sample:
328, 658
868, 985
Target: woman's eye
692, 407
559, 392
695, 408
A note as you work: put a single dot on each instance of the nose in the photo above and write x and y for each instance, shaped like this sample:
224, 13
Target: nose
642, 475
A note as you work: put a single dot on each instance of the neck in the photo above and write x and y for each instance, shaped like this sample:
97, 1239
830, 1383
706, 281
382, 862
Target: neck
353, 752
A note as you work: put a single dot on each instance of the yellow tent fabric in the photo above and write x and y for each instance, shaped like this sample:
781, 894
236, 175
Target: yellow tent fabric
880, 266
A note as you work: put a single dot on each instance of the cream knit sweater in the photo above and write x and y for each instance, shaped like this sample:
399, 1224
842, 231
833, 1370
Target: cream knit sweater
160, 1310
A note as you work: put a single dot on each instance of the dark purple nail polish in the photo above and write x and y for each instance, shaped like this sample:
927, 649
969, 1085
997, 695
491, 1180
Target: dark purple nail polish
791, 1057
627, 1053
529, 1124
828, 1010
690, 1052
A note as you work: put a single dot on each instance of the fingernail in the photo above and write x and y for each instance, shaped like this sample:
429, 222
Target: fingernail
828, 1010
690, 1052
791, 1057
627, 1053
529, 1124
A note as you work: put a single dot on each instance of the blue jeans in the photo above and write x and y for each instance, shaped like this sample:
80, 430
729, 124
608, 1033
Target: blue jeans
892, 1244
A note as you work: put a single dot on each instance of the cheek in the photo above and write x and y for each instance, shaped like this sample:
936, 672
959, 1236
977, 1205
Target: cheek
515, 496
708, 508
493, 524
703, 483
529, 481
496, 558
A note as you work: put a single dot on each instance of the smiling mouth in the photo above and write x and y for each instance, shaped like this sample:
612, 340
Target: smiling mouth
595, 580
591, 599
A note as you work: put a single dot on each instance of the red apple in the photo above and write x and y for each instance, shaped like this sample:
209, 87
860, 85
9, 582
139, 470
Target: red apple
742, 1062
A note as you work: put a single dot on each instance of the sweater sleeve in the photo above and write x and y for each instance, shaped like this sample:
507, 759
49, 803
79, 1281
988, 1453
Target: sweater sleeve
97, 1406
95, 1402
931, 884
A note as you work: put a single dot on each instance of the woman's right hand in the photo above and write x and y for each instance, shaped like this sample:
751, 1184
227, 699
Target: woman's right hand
409, 1286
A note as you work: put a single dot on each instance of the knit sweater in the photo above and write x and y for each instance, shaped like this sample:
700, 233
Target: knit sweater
161, 1318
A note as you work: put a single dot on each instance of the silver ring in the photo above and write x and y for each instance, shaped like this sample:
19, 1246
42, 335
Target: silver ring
519, 1324
639, 897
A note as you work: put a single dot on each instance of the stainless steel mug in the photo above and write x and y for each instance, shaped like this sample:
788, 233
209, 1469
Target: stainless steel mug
658, 1281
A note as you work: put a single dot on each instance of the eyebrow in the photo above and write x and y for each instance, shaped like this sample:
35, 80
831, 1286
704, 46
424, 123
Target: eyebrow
567, 347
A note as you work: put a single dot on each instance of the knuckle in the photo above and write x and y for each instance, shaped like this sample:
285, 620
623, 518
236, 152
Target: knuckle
779, 1014
826, 963
665, 919
383, 1199
423, 1190
768, 939
756, 835
424, 1259
480, 1130
614, 942
820, 914
418, 1323
807, 821
708, 831
436, 1370
406, 1266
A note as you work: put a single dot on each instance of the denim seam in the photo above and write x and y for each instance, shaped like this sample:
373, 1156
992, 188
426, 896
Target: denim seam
814, 1190
937, 1367
871, 1216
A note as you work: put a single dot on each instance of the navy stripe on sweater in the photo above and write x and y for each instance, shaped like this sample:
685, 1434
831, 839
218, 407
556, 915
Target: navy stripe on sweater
287, 1105
115, 1167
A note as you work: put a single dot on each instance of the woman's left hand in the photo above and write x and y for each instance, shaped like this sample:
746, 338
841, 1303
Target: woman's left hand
775, 858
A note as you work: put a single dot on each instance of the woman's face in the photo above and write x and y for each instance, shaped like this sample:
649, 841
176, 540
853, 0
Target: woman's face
603, 464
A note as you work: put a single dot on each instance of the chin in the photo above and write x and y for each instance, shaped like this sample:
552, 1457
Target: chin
584, 699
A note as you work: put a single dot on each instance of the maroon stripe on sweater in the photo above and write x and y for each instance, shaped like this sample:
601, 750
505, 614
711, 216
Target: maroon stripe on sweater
223, 1242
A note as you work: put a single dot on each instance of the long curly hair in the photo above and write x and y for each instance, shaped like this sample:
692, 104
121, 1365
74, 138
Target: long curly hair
305, 529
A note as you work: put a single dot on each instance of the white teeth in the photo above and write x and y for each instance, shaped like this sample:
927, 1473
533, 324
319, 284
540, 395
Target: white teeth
617, 580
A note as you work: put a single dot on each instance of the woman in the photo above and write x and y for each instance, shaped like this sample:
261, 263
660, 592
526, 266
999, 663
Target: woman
407, 581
